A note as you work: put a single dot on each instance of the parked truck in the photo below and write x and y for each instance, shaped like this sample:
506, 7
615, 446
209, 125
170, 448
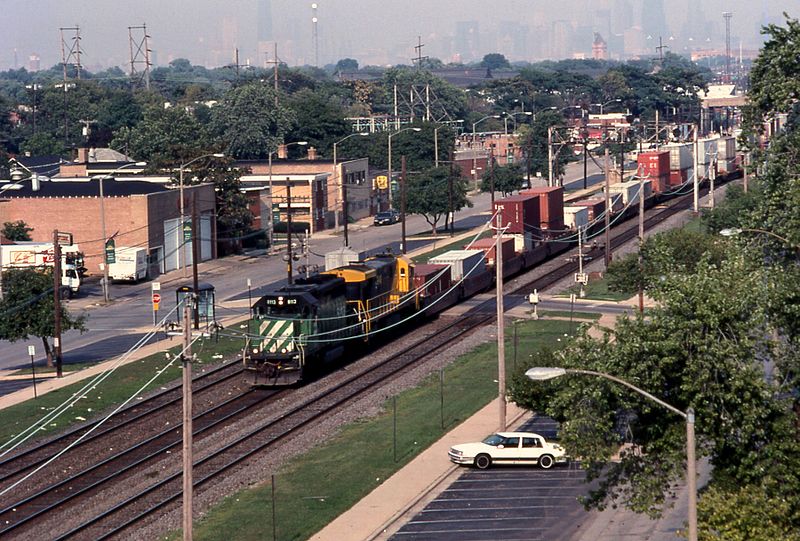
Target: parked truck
41, 255
130, 265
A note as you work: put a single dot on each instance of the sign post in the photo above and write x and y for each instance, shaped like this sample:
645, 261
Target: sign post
156, 288
32, 353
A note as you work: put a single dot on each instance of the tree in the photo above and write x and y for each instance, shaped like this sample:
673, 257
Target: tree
233, 212
775, 75
748, 513
534, 143
347, 64
249, 124
696, 349
506, 179
428, 194
164, 137
16, 231
495, 61
320, 120
28, 308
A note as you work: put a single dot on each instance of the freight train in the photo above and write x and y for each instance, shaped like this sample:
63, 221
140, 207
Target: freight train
298, 329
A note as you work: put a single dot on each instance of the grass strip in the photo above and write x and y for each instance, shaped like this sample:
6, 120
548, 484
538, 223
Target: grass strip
316, 487
566, 313
113, 391
598, 290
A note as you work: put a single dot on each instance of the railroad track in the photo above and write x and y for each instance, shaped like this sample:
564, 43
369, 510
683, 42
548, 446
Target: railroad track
127, 514
16, 465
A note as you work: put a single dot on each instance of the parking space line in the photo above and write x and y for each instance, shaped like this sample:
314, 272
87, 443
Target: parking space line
473, 509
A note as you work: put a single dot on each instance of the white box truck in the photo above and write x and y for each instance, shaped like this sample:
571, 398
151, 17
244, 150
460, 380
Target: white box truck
41, 255
130, 265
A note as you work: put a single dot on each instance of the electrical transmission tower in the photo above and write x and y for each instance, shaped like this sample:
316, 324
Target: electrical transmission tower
728, 15
140, 55
419, 58
71, 51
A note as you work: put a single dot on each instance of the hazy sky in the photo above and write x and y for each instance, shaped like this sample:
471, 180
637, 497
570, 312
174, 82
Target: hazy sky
372, 31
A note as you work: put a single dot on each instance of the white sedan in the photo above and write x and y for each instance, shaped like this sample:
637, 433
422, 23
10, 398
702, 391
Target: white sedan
509, 448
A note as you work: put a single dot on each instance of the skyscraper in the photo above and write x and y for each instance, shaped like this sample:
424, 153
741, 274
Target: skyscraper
264, 32
654, 20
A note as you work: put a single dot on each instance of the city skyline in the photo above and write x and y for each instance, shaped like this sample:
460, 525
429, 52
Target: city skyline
208, 33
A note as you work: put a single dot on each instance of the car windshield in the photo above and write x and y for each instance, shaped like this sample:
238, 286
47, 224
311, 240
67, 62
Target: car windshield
494, 440
385, 214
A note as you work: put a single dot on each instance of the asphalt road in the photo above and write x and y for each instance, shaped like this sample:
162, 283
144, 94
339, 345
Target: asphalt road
113, 328
509, 503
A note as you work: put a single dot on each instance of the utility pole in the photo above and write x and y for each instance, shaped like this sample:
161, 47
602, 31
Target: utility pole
641, 241
585, 161
550, 156
580, 259
711, 178
491, 174
696, 183
195, 256
290, 280
188, 458
501, 333
608, 211
403, 181
418, 48
57, 304
344, 209
728, 15
307, 253
451, 214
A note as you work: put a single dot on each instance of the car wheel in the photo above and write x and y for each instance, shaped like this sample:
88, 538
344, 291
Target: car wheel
483, 461
546, 462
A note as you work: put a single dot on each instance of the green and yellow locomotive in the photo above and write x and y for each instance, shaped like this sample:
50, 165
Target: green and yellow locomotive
297, 329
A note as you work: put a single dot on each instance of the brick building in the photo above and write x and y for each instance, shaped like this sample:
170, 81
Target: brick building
316, 188
137, 214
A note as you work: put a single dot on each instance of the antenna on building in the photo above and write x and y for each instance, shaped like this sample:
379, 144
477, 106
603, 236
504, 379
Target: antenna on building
419, 58
140, 56
728, 15
315, 33
71, 51
660, 50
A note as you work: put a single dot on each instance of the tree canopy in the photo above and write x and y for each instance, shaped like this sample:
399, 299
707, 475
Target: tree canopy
428, 194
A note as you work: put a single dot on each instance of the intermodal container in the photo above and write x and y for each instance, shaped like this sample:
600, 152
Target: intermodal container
630, 190
680, 155
726, 148
519, 213
462, 263
523, 242
551, 206
595, 207
488, 245
431, 279
679, 177
655, 163
575, 217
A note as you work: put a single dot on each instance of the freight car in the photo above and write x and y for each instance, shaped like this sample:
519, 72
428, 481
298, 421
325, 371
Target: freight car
298, 329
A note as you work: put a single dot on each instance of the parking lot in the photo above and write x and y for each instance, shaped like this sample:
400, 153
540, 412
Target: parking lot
510, 503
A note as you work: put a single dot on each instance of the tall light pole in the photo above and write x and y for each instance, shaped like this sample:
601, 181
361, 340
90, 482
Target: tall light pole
271, 228
182, 251
474, 156
602, 105
390, 158
545, 373
100, 178
336, 180
732, 232
513, 116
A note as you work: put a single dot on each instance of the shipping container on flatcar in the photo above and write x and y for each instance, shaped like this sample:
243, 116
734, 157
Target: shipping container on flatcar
551, 206
656, 166
462, 263
489, 245
594, 206
575, 217
520, 213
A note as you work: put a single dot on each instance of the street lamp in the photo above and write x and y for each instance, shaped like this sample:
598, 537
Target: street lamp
336, 181
544, 373
474, 156
513, 117
100, 178
182, 251
734, 231
602, 105
390, 158
271, 229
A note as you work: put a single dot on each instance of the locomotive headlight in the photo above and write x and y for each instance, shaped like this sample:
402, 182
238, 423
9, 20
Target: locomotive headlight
283, 350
